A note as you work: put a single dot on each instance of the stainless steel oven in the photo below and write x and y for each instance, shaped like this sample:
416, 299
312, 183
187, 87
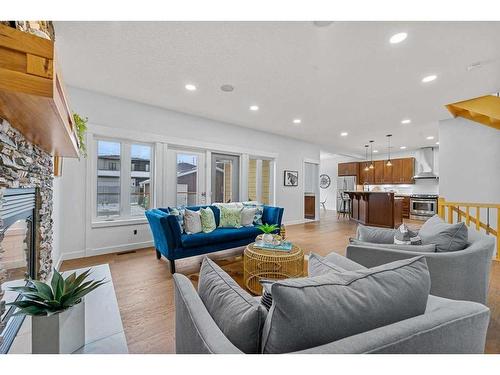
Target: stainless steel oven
423, 206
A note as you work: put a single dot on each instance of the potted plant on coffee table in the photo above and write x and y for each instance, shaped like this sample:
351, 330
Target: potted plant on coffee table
268, 230
57, 310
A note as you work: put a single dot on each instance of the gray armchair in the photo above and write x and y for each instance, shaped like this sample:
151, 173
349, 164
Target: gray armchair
446, 327
458, 275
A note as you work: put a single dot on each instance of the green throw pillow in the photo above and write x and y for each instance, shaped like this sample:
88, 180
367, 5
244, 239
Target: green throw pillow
230, 217
207, 220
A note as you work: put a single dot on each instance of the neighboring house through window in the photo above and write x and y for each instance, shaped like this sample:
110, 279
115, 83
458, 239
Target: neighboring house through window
124, 178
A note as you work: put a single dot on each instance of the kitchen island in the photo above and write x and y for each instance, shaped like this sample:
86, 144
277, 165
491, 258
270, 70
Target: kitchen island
376, 208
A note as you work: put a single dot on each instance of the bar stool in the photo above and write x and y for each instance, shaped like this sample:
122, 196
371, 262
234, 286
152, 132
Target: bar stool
345, 206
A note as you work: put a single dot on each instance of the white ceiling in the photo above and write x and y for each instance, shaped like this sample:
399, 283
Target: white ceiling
343, 77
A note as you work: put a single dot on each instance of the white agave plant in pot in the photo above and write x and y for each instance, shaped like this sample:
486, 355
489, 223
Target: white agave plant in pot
57, 310
268, 230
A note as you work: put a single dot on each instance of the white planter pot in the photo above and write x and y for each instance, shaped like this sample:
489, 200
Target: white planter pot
61, 333
267, 238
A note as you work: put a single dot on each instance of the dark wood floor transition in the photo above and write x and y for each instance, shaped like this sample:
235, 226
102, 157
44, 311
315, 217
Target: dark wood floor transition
144, 286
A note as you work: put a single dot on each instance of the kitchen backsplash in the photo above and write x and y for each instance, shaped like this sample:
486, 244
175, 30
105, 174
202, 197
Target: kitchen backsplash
420, 187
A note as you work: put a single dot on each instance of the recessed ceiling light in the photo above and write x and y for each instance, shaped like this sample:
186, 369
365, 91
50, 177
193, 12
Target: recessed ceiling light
227, 88
344, 134
297, 120
430, 137
429, 78
437, 143
190, 87
406, 121
398, 38
375, 151
403, 147
254, 108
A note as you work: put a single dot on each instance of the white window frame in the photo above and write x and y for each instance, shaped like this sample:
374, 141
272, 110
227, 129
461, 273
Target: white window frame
272, 177
125, 217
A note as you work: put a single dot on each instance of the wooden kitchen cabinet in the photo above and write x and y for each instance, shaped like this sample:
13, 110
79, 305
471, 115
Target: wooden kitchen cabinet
401, 171
408, 171
405, 208
366, 176
379, 171
377, 209
309, 207
397, 171
387, 173
348, 169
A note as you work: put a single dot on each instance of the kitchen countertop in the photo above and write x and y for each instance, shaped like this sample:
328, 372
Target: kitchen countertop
369, 192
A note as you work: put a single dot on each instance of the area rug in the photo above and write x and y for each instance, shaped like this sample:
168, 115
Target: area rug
233, 266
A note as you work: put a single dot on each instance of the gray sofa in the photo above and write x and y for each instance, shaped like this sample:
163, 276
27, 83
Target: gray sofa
447, 326
458, 275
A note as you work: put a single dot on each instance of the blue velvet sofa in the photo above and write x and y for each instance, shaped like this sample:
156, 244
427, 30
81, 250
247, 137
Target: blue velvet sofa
170, 242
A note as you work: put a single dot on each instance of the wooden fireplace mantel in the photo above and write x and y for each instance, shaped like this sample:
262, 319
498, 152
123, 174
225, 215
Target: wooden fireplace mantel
32, 97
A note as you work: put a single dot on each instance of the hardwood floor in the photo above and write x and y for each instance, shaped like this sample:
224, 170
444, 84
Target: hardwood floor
144, 286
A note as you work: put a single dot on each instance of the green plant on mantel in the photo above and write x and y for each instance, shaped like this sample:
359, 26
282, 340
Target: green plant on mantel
41, 299
81, 128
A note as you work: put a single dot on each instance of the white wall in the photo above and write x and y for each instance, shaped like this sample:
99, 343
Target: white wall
469, 161
329, 165
470, 164
124, 118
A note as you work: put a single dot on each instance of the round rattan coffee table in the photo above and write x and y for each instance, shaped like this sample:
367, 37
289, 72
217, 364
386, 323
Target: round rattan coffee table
267, 264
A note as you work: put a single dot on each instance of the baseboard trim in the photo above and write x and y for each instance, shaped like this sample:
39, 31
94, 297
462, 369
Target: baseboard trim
294, 222
118, 249
70, 255
102, 250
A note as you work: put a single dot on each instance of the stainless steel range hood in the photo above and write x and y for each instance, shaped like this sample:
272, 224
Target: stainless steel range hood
425, 164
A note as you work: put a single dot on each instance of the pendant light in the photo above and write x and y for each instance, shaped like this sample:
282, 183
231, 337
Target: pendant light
366, 158
371, 157
389, 163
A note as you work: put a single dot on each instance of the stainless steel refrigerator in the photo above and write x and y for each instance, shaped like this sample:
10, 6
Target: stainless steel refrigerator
346, 183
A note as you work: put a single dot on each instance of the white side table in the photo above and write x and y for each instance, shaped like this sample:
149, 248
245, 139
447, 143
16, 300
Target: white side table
104, 332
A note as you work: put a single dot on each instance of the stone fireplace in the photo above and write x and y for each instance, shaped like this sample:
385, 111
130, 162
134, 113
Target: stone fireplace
26, 177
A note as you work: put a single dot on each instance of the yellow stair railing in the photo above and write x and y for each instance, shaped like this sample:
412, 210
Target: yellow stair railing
471, 212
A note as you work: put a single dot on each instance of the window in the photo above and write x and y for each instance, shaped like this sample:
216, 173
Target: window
108, 178
259, 180
140, 188
124, 179
187, 179
225, 178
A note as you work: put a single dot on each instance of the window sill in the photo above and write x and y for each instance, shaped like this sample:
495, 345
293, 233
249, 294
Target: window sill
118, 222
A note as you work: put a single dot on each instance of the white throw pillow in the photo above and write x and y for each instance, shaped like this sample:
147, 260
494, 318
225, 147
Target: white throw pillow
247, 216
192, 221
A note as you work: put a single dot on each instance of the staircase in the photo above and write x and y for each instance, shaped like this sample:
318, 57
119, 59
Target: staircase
484, 110
478, 215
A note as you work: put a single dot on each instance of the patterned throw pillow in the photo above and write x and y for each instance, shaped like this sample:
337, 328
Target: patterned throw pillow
267, 298
192, 221
207, 220
230, 217
178, 212
405, 236
247, 216
257, 220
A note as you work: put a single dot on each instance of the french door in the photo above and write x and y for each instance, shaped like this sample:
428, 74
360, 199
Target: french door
186, 178
225, 178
